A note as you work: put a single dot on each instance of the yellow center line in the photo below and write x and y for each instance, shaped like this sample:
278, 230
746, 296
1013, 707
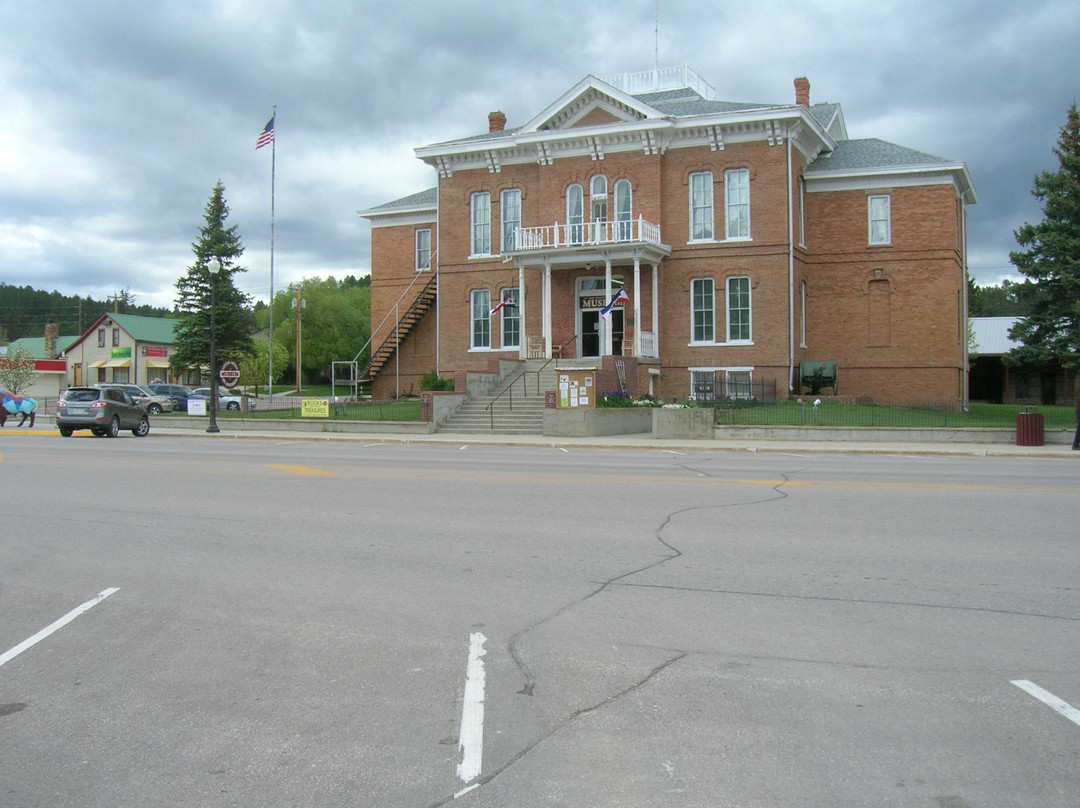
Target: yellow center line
303, 471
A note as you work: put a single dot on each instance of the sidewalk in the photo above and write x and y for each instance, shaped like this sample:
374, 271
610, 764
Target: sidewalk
647, 441
46, 427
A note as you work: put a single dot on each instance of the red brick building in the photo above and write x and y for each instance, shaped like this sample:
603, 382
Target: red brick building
747, 238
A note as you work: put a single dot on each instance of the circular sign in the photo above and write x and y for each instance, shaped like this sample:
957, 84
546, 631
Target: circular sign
229, 373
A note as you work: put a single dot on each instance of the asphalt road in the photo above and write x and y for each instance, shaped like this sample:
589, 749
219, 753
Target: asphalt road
288, 623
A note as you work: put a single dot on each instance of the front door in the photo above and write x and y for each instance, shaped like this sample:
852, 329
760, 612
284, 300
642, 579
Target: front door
590, 332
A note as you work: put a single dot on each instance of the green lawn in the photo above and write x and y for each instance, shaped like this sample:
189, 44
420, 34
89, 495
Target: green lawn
830, 413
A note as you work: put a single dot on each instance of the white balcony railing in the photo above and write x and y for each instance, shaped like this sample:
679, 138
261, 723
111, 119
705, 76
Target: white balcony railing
586, 234
647, 344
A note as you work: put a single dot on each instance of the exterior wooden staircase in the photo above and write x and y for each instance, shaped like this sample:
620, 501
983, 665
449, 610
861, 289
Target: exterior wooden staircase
420, 306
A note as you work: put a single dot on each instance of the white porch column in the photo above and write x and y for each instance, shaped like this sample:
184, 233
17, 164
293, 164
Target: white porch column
524, 343
546, 304
656, 305
637, 307
607, 299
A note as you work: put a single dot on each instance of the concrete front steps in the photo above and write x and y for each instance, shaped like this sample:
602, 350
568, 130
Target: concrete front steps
525, 418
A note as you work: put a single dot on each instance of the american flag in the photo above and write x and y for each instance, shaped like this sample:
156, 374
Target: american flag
620, 297
508, 302
266, 136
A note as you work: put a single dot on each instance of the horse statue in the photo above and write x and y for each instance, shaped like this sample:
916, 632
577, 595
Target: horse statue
11, 404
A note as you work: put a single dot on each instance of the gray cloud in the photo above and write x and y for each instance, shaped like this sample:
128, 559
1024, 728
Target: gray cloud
121, 116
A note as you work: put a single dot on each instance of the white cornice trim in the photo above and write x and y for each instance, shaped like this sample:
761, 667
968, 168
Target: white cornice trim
419, 214
853, 179
653, 136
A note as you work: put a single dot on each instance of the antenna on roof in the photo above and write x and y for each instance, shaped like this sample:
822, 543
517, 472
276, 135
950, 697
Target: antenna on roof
656, 41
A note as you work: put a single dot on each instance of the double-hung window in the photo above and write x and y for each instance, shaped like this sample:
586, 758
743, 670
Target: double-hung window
574, 213
481, 224
598, 204
702, 300
623, 210
511, 318
511, 218
737, 202
423, 249
738, 309
701, 206
481, 318
880, 219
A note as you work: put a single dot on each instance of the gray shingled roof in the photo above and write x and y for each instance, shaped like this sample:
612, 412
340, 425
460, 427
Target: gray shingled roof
824, 113
426, 198
871, 153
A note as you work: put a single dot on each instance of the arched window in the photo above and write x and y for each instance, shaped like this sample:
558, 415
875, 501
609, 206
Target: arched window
575, 214
624, 210
598, 205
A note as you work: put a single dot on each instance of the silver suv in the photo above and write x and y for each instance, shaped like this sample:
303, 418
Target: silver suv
103, 411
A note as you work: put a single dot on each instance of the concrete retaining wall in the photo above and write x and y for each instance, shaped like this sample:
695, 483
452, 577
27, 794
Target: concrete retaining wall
296, 425
581, 422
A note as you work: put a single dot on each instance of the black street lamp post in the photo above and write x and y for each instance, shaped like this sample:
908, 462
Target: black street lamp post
213, 266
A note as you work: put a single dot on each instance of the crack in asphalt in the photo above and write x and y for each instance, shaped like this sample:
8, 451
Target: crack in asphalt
529, 686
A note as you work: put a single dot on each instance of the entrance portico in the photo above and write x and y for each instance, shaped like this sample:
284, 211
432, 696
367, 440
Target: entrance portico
614, 246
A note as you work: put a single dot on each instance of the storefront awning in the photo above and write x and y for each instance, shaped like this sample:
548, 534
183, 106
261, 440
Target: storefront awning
118, 363
157, 363
98, 364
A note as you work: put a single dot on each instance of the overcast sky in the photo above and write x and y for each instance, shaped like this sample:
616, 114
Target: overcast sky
117, 118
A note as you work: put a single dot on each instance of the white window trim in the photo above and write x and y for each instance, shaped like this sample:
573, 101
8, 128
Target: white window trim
727, 311
473, 224
698, 343
749, 222
416, 249
870, 220
803, 293
502, 318
712, 208
472, 321
714, 369
506, 194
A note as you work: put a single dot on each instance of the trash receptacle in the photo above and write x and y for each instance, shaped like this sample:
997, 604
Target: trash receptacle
1029, 429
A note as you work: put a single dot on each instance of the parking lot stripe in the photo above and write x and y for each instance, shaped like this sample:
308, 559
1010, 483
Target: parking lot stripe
1049, 699
9, 655
471, 736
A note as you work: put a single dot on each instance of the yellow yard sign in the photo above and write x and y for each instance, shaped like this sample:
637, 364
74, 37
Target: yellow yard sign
315, 408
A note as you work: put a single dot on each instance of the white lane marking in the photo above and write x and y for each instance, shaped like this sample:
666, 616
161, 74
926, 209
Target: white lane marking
7, 656
1049, 699
471, 738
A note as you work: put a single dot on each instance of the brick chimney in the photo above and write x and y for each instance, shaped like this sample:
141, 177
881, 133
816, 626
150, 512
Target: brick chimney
496, 121
802, 92
52, 333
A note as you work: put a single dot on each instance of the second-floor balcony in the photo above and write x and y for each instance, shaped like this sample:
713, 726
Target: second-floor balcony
557, 236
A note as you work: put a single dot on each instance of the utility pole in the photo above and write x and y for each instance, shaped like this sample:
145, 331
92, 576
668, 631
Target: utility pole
299, 303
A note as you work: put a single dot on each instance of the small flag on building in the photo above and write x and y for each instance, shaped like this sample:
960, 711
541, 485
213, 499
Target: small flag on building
508, 302
620, 298
266, 136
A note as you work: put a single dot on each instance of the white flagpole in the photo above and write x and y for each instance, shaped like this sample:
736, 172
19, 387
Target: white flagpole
273, 172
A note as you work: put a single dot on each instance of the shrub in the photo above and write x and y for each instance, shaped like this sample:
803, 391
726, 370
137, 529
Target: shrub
432, 381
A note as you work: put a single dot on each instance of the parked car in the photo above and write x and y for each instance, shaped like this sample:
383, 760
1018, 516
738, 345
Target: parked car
227, 399
104, 411
177, 392
152, 403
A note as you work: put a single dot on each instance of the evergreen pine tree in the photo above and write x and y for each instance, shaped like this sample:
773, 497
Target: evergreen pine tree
233, 317
1051, 261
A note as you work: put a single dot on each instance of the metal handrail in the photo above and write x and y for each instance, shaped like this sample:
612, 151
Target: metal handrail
524, 383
